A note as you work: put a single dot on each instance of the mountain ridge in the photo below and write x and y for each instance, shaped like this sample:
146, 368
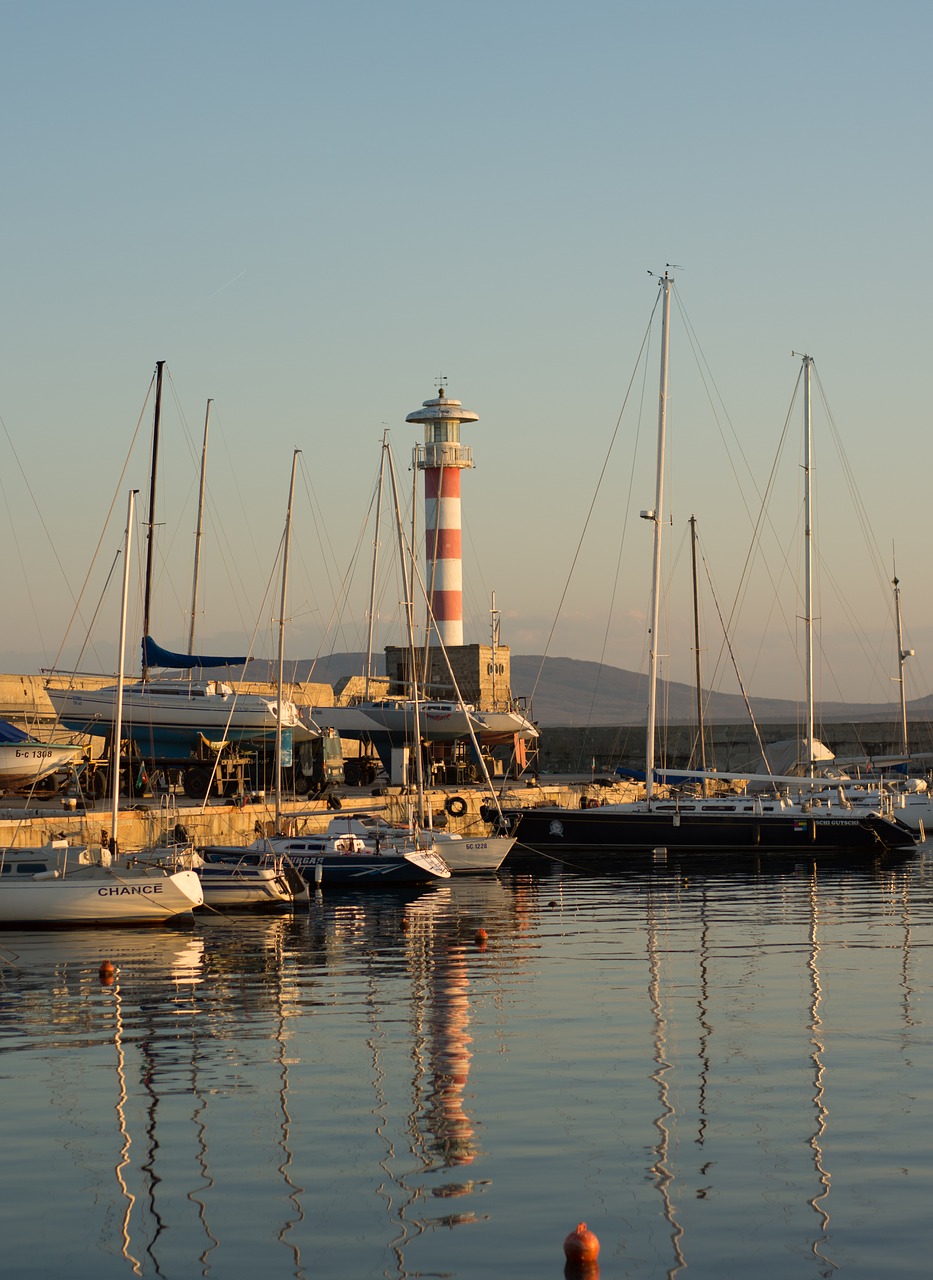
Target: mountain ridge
575, 692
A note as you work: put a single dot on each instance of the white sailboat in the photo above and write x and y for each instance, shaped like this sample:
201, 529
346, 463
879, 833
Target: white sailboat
334, 856
721, 825
241, 878
460, 852
61, 884
395, 721
169, 717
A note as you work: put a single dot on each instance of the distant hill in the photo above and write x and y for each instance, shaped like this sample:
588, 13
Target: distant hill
574, 692
570, 691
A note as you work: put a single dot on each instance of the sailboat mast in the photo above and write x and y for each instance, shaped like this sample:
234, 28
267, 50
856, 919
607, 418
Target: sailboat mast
150, 546
902, 655
808, 556
121, 676
280, 680
494, 624
410, 626
657, 516
199, 532
413, 544
372, 585
701, 731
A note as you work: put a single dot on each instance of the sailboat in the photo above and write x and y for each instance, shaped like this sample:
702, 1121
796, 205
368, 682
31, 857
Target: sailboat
392, 723
463, 853
62, 884
724, 825
169, 718
245, 879
871, 780
337, 856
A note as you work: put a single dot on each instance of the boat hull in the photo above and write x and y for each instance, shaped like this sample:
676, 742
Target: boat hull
171, 723
362, 870
467, 855
438, 722
505, 726
610, 829
98, 896
234, 886
462, 854
319, 864
23, 763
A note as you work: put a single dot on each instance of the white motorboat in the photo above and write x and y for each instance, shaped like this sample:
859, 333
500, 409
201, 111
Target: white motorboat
241, 878
340, 856
24, 760
462, 853
62, 884
241, 881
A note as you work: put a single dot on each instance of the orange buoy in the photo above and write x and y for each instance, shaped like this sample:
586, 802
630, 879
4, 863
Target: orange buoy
106, 972
581, 1246
405, 923
479, 937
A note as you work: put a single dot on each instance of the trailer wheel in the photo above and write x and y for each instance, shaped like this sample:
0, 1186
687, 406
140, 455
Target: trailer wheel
197, 783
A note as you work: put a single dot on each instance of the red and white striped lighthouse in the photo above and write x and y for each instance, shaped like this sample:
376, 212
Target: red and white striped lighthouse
442, 457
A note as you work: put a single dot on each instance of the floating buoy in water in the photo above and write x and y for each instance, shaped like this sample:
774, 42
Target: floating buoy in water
581, 1247
405, 924
106, 972
479, 937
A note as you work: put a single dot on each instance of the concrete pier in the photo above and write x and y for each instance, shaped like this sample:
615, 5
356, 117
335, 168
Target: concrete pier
145, 822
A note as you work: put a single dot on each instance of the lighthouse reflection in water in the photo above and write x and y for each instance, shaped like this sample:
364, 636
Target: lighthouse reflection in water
720, 1075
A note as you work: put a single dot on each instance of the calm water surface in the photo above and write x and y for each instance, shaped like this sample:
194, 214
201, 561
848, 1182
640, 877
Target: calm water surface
722, 1075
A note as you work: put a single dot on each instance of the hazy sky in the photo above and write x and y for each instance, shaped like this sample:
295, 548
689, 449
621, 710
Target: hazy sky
310, 211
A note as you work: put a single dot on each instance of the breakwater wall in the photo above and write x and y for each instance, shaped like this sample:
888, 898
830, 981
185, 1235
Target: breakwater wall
730, 747
147, 822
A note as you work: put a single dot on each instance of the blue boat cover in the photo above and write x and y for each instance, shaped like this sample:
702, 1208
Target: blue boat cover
10, 733
154, 656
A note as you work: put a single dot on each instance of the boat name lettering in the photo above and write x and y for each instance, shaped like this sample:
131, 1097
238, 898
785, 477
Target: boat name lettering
32, 754
119, 891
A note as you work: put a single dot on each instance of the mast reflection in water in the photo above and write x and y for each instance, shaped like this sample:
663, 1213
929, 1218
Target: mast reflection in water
720, 1074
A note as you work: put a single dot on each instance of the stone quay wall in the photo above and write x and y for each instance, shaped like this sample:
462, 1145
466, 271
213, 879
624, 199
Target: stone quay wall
730, 747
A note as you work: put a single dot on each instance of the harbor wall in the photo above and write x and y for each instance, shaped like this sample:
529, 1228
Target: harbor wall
144, 823
730, 747
562, 750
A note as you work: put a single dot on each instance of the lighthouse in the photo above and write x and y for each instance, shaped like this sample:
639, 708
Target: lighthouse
442, 457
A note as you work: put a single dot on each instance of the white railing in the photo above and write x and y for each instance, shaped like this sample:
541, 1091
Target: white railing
444, 454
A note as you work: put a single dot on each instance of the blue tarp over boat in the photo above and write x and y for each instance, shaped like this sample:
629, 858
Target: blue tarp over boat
155, 656
10, 733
